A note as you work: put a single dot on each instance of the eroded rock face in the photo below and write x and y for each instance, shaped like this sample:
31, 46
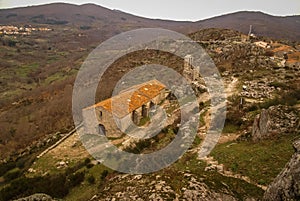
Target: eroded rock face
260, 128
286, 186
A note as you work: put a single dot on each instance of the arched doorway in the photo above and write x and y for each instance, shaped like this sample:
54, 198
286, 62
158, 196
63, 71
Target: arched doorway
135, 117
152, 105
102, 130
152, 109
144, 111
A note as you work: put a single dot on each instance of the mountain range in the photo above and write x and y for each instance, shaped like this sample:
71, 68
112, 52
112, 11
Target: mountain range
115, 21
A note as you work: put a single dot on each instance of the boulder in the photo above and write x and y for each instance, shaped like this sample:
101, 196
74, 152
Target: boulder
261, 126
279, 119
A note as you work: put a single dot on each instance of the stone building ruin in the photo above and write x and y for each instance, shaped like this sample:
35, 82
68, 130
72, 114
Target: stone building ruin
189, 71
131, 105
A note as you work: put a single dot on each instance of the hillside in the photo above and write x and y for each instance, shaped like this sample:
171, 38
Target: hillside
40, 152
263, 24
266, 79
113, 21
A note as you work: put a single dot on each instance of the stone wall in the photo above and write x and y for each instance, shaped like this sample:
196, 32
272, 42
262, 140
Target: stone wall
114, 127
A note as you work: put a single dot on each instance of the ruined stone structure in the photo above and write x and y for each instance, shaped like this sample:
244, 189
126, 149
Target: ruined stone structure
190, 72
131, 105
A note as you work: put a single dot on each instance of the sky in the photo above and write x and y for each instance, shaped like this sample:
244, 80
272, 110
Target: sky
181, 10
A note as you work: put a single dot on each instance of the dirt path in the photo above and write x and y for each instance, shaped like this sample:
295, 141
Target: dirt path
231, 88
212, 164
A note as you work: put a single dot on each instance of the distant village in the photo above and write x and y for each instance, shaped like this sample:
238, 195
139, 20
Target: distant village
22, 30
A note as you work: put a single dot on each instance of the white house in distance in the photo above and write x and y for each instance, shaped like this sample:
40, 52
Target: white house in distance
262, 44
130, 105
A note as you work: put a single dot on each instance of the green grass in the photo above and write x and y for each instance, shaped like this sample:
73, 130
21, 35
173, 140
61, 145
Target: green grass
54, 77
230, 128
48, 164
59, 76
213, 179
262, 161
86, 190
144, 121
24, 70
44, 164
197, 142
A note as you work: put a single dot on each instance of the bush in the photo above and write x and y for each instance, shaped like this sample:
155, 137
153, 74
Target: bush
91, 179
104, 174
87, 161
270, 102
11, 175
85, 27
278, 85
89, 166
56, 22
8, 41
54, 185
75, 179
289, 98
78, 166
5, 167
252, 108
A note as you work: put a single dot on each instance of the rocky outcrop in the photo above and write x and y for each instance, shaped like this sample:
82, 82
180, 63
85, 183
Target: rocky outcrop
261, 126
140, 187
286, 186
283, 119
276, 120
36, 197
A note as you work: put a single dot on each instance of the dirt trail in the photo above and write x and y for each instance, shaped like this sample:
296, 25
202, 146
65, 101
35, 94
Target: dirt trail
212, 164
231, 88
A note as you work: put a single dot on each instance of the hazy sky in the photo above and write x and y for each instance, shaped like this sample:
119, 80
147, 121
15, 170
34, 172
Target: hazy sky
180, 9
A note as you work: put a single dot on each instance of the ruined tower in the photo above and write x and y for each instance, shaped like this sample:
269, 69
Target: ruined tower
190, 72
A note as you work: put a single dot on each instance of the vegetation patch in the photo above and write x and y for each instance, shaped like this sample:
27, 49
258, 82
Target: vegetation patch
262, 161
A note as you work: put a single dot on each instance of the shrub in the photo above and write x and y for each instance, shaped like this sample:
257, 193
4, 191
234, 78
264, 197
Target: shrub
89, 166
104, 174
54, 185
85, 27
11, 175
252, 108
270, 102
75, 179
5, 167
87, 161
91, 179
278, 85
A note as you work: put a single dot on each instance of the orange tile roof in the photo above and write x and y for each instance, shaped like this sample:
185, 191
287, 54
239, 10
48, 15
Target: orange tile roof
131, 99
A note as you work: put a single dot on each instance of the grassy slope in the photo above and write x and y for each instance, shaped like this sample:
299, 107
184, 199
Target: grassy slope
261, 161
